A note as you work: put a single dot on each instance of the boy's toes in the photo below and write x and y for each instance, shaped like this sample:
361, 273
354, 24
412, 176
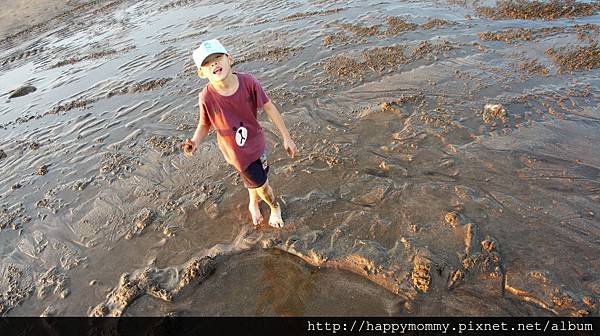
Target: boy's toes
275, 219
257, 217
257, 220
276, 223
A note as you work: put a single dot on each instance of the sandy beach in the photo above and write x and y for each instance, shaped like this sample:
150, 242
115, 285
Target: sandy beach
17, 16
448, 161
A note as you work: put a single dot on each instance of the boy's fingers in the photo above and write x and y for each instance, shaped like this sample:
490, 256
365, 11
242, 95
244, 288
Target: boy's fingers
188, 152
188, 148
291, 151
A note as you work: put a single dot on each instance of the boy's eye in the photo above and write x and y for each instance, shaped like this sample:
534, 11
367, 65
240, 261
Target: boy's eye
211, 59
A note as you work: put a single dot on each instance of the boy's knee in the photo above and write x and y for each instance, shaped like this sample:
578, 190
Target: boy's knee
264, 188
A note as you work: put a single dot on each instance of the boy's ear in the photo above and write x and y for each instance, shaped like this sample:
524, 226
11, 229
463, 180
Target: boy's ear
231, 60
201, 73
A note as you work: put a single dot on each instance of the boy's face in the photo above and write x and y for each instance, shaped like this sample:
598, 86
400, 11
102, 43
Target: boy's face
216, 67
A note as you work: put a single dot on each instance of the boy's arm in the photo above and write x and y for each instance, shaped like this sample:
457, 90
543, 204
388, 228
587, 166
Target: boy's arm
200, 134
203, 128
276, 118
190, 145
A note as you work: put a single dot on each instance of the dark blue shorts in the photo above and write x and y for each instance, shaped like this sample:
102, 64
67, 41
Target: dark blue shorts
255, 175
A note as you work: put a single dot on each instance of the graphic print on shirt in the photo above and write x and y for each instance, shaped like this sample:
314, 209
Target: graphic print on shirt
241, 134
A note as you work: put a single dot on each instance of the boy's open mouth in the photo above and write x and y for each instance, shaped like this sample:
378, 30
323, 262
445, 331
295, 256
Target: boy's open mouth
217, 70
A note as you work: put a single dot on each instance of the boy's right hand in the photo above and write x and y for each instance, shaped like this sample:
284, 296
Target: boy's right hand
189, 147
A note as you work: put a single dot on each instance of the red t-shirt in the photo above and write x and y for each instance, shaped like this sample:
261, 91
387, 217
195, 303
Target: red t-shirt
239, 135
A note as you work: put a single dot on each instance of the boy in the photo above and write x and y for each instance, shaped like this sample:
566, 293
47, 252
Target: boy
229, 103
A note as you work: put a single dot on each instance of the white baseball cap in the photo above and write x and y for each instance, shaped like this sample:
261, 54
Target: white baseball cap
206, 49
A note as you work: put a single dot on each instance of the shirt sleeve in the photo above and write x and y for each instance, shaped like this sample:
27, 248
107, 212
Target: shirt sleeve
204, 119
259, 93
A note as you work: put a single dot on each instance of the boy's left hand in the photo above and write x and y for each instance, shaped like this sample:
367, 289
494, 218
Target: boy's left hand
189, 147
290, 147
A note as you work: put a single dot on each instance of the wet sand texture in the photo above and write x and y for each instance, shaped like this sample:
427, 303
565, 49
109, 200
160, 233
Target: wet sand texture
447, 160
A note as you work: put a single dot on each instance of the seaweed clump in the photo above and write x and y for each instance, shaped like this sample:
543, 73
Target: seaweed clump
508, 35
537, 10
578, 58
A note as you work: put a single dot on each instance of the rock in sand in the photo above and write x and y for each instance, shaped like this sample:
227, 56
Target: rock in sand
22, 91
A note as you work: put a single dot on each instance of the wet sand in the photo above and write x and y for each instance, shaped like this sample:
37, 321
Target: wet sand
448, 161
17, 16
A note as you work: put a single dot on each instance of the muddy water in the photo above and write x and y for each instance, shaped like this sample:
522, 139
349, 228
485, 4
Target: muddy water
440, 172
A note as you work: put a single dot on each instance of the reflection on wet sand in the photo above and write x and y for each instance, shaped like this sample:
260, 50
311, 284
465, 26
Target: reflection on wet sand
448, 162
285, 290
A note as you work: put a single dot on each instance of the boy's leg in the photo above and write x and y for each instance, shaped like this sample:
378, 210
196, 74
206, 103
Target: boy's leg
266, 193
254, 207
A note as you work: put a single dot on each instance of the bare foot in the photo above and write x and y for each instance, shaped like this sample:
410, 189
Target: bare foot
257, 217
275, 219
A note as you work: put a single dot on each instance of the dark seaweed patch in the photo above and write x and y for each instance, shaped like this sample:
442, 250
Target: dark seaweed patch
536, 10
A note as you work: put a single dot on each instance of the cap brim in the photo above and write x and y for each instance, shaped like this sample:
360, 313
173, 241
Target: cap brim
215, 53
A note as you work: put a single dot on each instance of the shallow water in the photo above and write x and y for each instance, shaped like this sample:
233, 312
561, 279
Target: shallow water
439, 206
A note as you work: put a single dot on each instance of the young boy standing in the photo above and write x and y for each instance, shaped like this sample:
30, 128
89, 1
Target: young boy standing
229, 103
